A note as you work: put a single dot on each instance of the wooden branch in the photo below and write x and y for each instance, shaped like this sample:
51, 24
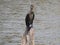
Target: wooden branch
28, 39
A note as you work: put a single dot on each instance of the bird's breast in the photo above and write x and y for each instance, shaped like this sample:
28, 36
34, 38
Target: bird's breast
31, 16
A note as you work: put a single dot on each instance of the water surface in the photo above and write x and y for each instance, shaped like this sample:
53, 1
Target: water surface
46, 23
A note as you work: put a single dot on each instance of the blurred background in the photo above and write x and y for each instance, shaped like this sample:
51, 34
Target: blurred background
46, 23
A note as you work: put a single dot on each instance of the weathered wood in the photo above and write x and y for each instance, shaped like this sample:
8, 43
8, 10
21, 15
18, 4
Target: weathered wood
31, 35
28, 39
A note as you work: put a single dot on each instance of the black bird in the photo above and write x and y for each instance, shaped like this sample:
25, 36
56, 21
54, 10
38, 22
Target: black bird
29, 19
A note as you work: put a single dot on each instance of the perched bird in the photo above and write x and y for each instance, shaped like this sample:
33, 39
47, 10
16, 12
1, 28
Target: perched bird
29, 19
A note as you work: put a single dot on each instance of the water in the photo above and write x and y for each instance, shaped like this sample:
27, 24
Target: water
46, 23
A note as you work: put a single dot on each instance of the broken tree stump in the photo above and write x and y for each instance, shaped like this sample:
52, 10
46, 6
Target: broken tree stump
28, 39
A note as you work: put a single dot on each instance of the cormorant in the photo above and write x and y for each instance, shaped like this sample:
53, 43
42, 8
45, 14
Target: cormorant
29, 19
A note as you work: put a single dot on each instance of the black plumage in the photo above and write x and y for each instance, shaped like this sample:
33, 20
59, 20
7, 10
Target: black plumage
29, 19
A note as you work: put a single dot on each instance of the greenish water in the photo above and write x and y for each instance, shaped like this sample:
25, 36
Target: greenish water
46, 23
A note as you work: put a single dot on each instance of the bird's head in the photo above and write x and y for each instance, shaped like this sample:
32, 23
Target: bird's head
31, 8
